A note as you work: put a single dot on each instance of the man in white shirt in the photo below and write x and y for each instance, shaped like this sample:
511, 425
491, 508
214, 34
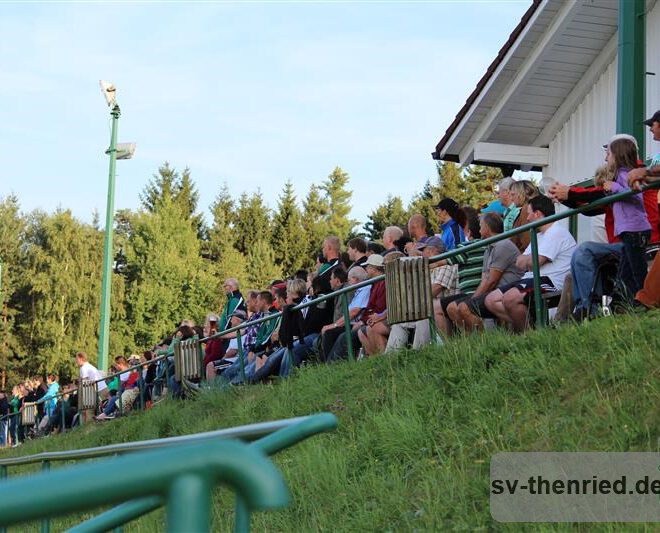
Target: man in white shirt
556, 246
90, 373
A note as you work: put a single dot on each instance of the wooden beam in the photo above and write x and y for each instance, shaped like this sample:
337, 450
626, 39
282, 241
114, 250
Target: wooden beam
511, 154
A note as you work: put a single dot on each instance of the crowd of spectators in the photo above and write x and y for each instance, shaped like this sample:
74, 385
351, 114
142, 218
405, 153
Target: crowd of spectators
492, 285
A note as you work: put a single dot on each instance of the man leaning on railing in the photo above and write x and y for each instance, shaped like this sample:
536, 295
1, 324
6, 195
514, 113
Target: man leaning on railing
649, 295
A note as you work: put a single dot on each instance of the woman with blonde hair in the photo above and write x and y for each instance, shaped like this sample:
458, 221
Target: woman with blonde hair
521, 193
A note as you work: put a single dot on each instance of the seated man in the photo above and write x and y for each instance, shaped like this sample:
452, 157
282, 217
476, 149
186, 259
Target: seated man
390, 236
260, 344
247, 337
444, 282
358, 303
376, 305
555, 247
233, 313
418, 234
499, 269
357, 251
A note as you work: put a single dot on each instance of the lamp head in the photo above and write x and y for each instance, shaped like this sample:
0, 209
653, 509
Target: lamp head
109, 92
124, 150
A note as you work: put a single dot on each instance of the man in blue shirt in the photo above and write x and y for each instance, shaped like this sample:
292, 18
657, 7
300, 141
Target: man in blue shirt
452, 220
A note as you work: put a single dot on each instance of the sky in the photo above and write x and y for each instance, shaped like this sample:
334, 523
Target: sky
250, 94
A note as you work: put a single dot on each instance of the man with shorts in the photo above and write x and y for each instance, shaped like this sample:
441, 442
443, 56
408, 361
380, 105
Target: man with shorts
555, 246
499, 269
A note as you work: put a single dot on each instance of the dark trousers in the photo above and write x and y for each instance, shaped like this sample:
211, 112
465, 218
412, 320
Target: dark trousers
328, 340
633, 268
340, 349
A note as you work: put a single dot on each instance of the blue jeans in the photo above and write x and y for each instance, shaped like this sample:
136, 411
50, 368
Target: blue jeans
4, 430
584, 266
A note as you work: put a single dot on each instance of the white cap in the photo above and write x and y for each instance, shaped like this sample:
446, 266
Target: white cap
622, 136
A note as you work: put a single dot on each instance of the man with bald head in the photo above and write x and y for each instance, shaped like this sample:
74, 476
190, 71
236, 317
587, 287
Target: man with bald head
418, 234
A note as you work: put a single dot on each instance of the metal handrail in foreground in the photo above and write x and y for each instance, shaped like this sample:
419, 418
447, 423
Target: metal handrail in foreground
273, 437
248, 433
184, 477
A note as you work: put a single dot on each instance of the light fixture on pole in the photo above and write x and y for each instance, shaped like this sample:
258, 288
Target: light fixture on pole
116, 151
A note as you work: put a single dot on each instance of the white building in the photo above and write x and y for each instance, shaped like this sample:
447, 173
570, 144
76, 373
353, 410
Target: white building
549, 100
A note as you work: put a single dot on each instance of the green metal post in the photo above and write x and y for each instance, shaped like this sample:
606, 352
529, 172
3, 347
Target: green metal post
3, 475
119, 392
104, 336
538, 300
189, 504
45, 523
241, 354
631, 71
142, 391
347, 326
62, 414
242, 519
573, 226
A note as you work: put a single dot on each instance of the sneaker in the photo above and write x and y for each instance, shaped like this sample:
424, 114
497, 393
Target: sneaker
361, 354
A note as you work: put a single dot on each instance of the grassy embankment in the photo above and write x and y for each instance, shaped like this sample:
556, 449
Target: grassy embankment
417, 429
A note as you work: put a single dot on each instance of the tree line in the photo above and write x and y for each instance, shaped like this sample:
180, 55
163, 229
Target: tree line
170, 263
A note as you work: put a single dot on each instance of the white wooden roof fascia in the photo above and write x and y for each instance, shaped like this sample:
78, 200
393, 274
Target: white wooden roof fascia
495, 77
529, 67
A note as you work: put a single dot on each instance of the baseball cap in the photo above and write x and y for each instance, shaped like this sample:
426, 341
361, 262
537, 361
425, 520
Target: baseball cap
654, 118
620, 136
374, 260
435, 242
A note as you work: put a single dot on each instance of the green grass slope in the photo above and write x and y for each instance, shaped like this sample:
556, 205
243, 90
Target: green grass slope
417, 429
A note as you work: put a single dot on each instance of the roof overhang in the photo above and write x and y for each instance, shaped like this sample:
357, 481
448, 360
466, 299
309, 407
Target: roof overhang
546, 68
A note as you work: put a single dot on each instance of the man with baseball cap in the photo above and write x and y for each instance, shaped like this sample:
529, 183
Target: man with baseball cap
649, 295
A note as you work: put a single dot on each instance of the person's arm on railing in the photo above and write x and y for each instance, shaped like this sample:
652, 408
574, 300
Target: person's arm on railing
639, 176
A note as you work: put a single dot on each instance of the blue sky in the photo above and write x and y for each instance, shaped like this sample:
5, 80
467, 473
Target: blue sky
250, 94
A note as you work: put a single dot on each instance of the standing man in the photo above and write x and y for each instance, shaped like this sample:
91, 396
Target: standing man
88, 372
649, 295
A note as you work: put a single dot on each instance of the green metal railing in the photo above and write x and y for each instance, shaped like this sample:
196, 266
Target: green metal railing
182, 476
482, 243
266, 438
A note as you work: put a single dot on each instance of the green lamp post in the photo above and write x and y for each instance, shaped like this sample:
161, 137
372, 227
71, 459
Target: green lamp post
116, 151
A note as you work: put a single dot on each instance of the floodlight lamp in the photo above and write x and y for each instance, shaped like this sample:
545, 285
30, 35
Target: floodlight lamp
109, 92
125, 150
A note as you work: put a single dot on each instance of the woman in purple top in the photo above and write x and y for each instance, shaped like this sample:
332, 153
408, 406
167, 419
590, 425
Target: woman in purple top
631, 224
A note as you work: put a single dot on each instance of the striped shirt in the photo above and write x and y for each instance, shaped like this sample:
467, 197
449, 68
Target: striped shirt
470, 267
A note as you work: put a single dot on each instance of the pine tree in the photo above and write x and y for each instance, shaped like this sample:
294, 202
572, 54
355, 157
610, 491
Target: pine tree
60, 307
167, 278
451, 183
339, 204
390, 213
315, 211
252, 221
261, 268
168, 185
480, 183
221, 235
12, 226
288, 240
424, 204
